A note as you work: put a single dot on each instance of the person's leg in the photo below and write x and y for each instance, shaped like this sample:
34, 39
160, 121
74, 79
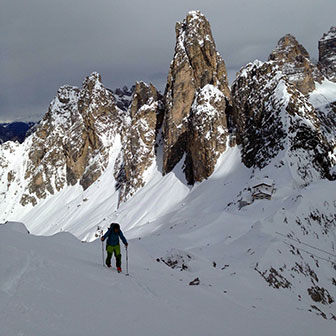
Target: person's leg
117, 255
109, 255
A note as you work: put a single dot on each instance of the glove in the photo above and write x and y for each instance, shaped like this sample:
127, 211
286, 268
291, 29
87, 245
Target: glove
126, 245
102, 239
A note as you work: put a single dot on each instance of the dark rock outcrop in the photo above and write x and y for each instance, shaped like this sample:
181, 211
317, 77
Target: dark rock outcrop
123, 97
15, 131
327, 54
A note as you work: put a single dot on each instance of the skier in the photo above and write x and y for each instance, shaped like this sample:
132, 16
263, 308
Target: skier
112, 244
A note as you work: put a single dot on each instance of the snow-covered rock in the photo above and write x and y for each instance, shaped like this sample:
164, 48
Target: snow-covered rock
293, 61
273, 119
327, 54
139, 135
70, 145
197, 77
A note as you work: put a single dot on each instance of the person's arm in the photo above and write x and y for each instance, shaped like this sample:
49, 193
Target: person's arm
105, 235
121, 235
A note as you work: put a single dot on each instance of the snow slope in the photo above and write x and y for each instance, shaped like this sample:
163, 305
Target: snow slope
57, 286
271, 264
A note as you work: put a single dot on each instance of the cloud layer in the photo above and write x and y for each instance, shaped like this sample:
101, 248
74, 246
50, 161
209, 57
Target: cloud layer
45, 44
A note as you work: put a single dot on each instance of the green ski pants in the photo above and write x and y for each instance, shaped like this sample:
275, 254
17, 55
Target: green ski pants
113, 250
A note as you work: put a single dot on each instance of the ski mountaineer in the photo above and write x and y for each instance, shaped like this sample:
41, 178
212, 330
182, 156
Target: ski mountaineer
112, 244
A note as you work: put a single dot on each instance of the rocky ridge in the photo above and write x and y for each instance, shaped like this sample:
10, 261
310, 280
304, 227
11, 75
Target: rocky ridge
139, 136
327, 54
71, 144
268, 112
273, 115
293, 60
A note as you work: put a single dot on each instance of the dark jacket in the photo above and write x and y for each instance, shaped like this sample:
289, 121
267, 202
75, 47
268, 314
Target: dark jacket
113, 238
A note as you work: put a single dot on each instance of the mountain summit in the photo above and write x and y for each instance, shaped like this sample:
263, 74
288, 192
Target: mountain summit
294, 61
197, 98
230, 189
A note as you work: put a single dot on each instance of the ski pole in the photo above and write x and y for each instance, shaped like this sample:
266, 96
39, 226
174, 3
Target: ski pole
127, 261
103, 252
101, 235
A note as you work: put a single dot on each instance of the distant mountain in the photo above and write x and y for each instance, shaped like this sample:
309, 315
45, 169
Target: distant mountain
187, 159
15, 131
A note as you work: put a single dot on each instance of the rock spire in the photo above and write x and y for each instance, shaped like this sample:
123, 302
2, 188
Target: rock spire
294, 61
197, 84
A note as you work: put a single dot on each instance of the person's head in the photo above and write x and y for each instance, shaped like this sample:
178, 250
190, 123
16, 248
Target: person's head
116, 227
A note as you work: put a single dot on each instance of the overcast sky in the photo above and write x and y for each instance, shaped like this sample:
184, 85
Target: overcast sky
47, 43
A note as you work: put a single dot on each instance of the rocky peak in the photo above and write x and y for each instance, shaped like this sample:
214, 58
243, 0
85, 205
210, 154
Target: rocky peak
92, 81
71, 144
194, 43
327, 54
275, 120
196, 64
145, 95
294, 61
145, 115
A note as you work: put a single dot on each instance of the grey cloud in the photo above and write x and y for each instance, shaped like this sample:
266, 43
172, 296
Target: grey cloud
45, 44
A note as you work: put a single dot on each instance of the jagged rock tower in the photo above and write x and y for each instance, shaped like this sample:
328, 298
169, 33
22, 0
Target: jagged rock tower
139, 132
197, 98
72, 142
327, 54
294, 61
274, 118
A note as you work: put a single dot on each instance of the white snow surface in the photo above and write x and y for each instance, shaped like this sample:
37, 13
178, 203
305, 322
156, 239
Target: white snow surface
57, 285
324, 94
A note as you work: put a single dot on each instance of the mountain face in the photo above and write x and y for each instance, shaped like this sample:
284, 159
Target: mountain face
293, 60
100, 155
139, 135
71, 144
268, 112
327, 54
273, 116
15, 131
197, 83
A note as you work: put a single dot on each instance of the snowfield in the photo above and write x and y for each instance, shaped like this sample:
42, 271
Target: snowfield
57, 285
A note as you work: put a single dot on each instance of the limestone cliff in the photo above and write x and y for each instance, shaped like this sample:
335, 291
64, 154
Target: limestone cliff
294, 62
71, 144
197, 70
139, 134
